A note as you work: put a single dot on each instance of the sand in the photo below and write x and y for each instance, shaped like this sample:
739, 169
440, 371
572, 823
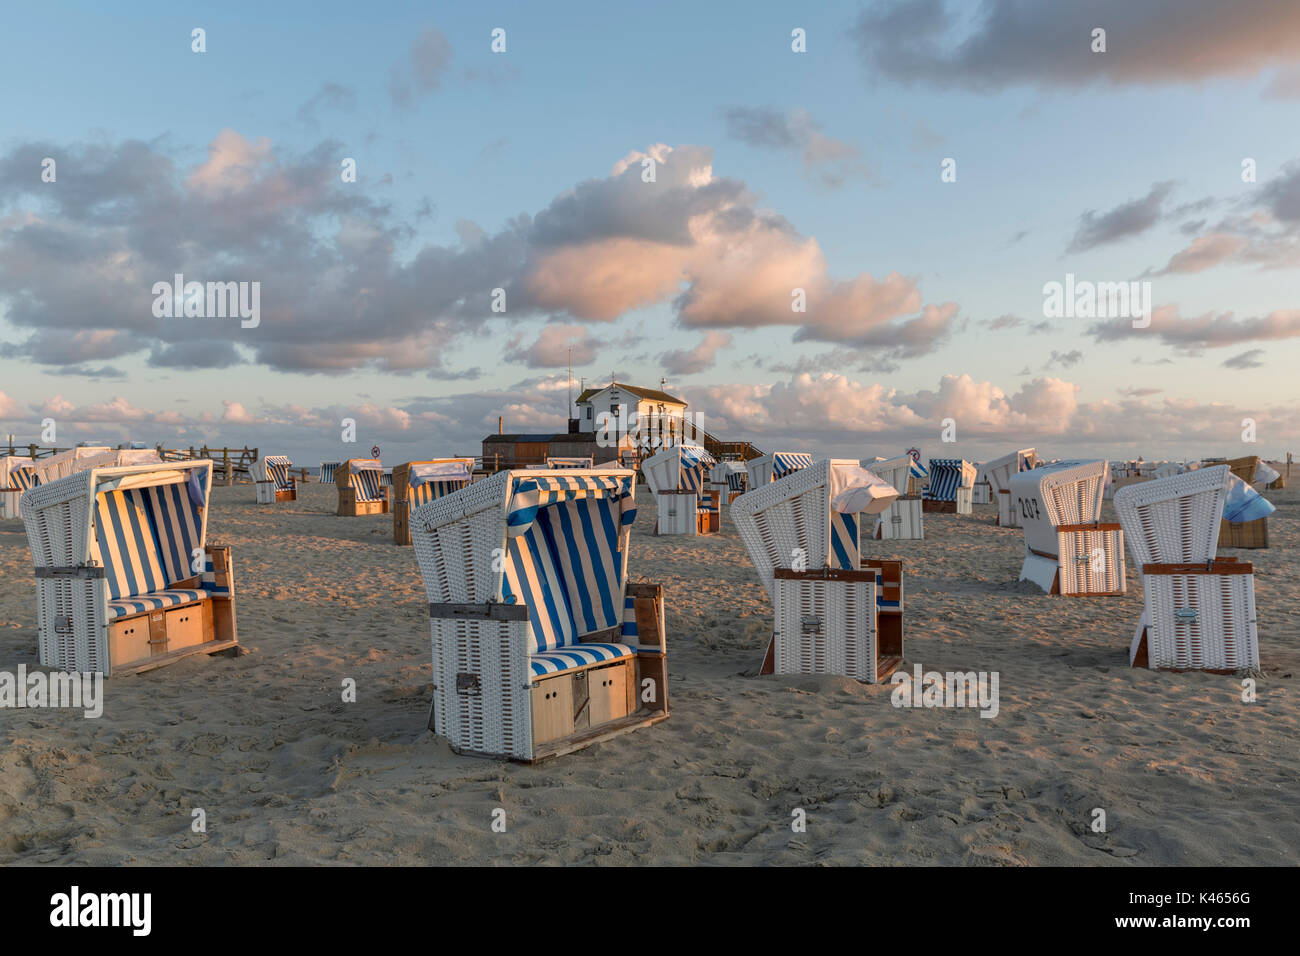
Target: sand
286, 772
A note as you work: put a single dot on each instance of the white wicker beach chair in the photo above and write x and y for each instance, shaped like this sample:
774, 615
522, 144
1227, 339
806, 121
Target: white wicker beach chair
541, 646
999, 472
678, 479
728, 479
125, 578
774, 466
10, 490
834, 612
902, 520
272, 480
417, 483
360, 486
1198, 611
1067, 548
565, 463
949, 490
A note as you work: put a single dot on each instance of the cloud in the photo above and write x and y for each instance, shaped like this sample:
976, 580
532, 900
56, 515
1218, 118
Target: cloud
1138, 392
551, 348
331, 96
342, 288
9, 407
831, 162
1124, 221
698, 359
1008, 321
1248, 359
1208, 331
1065, 359
1012, 43
1204, 252
429, 58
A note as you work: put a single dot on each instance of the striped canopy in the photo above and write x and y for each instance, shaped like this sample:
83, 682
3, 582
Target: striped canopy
24, 477
277, 470
564, 562
430, 480
788, 462
947, 475
568, 463
679, 468
530, 493
327, 469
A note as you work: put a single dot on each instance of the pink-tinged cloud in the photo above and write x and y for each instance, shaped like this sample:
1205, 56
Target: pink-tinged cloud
1204, 252
698, 359
554, 347
1209, 331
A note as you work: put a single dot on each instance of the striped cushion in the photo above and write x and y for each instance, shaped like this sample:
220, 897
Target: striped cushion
155, 600
426, 491
532, 579
567, 570
24, 477
146, 538
367, 485
580, 655
277, 470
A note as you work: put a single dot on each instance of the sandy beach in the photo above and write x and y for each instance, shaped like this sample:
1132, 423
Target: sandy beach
286, 772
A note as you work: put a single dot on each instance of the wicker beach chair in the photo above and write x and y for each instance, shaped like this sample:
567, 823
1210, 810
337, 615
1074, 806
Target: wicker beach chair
566, 463
272, 480
684, 502
902, 520
541, 646
999, 472
949, 490
125, 578
1067, 548
1198, 610
834, 612
774, 466
10, 490
360, 486
417, 483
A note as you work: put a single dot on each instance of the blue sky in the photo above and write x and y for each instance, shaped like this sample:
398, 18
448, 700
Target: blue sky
580, 87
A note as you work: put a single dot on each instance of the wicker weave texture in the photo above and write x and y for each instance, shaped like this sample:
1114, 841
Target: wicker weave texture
825, 627
1201, 621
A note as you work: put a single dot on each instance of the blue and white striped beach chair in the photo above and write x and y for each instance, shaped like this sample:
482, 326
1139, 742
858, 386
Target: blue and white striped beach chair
567, 463
9, 488
361, 489
949, 490
678, 477
540, 644
834, 612
417, 483
327, 470
272, 480
125, 578
775, 466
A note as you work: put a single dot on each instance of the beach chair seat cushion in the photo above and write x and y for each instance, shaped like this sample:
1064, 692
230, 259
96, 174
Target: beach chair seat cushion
153, 601
576, 656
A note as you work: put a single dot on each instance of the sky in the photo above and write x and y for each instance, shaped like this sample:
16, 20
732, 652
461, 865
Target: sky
654, 189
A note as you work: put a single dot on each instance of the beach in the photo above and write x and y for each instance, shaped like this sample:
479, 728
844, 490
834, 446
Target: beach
286, 772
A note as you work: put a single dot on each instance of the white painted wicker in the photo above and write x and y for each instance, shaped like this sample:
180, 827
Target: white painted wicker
786, 522
1174, 520
999, 472
901, 521
676, 512
825, 627
1068, 495
1201, 621
460, 541
72, 615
